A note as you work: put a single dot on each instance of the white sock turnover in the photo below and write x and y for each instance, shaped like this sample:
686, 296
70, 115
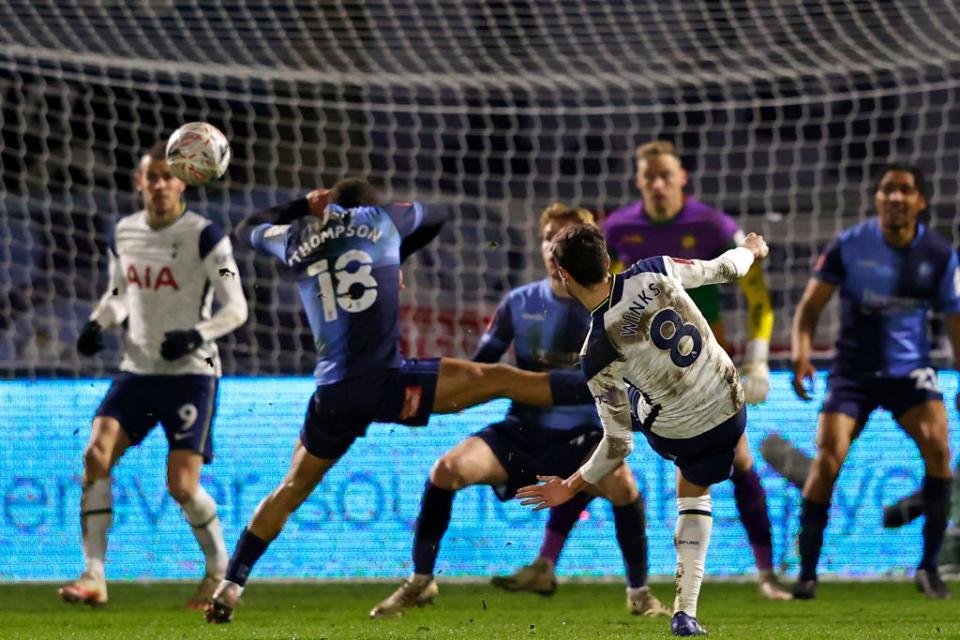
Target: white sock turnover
201, 513
691, 539
96, 515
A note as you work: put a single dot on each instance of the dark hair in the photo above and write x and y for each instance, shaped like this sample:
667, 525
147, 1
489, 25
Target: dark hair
354, 192
157, 152
582, 252
918, 180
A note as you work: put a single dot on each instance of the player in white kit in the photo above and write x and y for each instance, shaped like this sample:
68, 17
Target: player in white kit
166, 265
654, 366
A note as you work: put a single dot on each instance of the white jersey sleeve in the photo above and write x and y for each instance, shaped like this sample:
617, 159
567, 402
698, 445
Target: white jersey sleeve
679, 380
613, 406
111, 309
222, 271
727, 267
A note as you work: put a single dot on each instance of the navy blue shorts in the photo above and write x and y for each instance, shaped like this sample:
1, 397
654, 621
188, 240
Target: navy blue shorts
858, 397
705, 459
339, 413
183, 404
527, 450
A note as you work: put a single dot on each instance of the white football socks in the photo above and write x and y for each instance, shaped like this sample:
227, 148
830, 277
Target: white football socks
201, 513
96, 515
691, 539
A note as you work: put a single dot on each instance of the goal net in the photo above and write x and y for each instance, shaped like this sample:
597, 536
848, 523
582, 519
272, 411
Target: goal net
781, 110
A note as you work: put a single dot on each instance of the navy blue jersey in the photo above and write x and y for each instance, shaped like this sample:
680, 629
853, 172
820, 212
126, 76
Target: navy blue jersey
547, 332
348, 272
886, 294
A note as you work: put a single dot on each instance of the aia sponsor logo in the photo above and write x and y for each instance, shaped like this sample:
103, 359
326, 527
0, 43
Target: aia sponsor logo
151, 278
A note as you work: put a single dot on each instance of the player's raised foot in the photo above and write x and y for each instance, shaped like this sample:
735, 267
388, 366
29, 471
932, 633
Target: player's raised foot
415, 591
642, 602
929, 584
87, 589
686, 625
225, 599
770, 587
538, 577
203, 595
903, 512
805, 589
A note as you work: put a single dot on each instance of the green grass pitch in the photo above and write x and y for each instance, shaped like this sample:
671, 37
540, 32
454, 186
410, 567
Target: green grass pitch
577, 611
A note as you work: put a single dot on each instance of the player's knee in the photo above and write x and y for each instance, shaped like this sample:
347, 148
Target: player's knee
180, 491
935, 451
96, 459
447, 473
621, 494
827, 463
620, 488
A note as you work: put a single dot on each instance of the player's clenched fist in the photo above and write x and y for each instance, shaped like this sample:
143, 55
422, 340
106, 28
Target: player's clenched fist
755, 243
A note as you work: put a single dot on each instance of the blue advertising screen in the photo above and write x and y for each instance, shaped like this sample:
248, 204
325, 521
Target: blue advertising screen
358, 523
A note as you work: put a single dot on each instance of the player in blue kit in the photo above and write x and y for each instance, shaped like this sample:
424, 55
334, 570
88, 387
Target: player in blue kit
890, 271
345, 250
546, 327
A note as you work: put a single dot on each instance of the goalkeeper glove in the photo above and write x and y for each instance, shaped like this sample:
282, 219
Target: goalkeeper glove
755, 372
177, 344
91, 338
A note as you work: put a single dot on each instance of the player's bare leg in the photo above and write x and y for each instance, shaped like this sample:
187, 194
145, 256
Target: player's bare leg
200, 510
108, 441
469, 463
463, 384
620, 488
691, 538
305, 472
927, 425
835, 433
751, 501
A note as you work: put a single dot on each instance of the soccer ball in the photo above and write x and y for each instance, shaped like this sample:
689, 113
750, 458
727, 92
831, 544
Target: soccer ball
197, 153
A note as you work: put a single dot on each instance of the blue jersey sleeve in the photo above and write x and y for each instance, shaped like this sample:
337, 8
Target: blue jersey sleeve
829, 267
498, 336
270, 239
949, 294
406, 216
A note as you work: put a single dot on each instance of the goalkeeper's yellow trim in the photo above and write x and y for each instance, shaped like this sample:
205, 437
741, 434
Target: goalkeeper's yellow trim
759, 309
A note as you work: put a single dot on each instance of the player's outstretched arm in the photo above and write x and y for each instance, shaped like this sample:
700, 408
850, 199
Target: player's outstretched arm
729, 266
805, 318
613, 405
314, 203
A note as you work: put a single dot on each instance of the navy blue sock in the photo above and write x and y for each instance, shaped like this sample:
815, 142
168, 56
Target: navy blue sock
631, 525
569, 387
248, 551
813, 520
936, 506
435, 508
751, 501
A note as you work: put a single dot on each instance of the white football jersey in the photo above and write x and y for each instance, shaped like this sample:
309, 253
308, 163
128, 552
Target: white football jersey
650, 350
165, 280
